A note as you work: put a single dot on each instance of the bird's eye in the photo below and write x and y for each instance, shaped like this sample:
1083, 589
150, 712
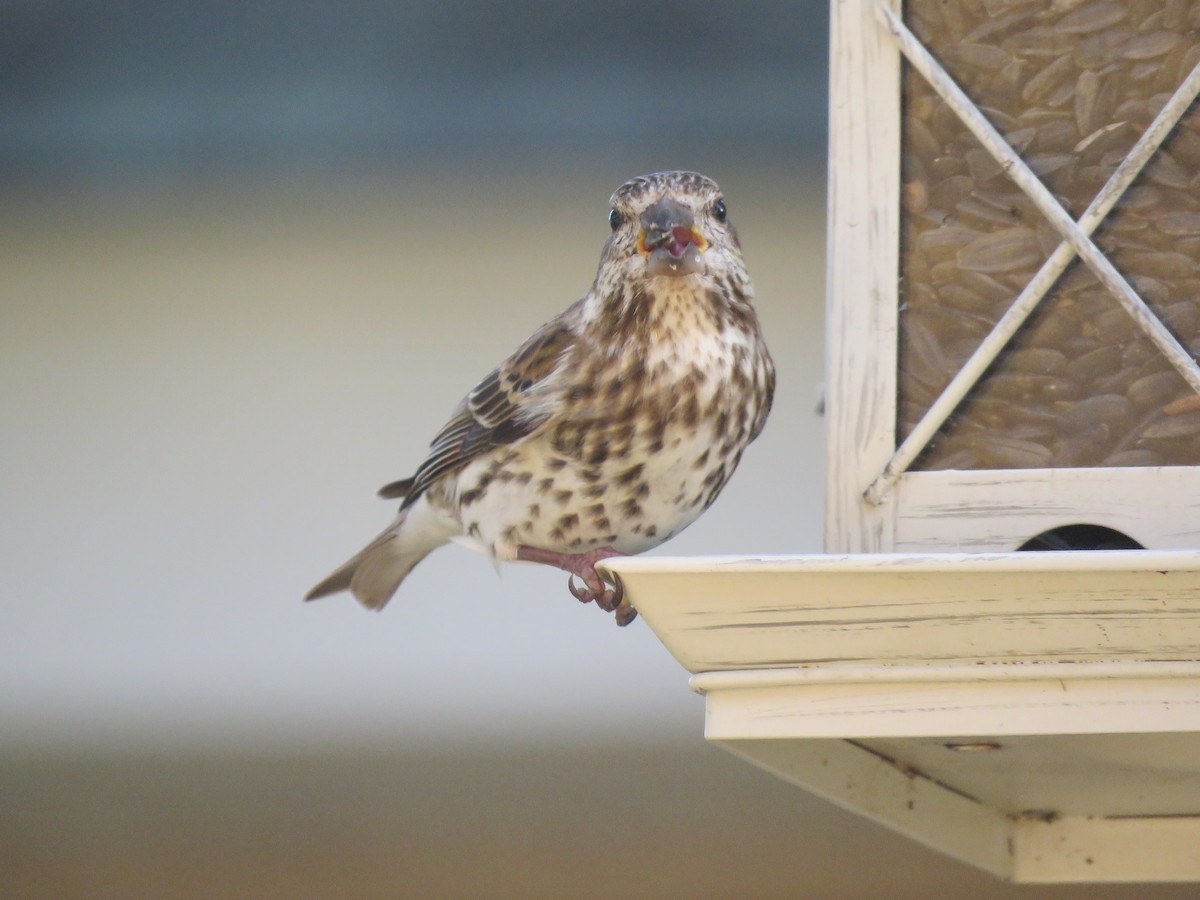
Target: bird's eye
718, 209
615, 219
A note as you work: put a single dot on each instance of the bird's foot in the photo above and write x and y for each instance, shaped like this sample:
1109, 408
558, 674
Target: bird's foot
605, 597
583, 567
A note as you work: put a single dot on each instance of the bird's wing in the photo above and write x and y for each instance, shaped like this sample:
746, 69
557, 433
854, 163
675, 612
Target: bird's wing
768, 398
497, 411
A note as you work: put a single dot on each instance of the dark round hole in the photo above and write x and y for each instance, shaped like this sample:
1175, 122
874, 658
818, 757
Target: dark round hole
1081, 537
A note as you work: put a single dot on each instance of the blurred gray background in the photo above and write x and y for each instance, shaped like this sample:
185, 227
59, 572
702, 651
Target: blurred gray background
251, 254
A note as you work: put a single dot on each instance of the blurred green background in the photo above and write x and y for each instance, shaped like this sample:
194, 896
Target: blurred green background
251, 254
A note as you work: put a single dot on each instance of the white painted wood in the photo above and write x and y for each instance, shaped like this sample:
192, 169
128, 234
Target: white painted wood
984, 510
931, 609
1037, 715
868, 784
1076, 240
1078, 849
963, 708
1081, 776
862, 302
1031, 848
1000, 510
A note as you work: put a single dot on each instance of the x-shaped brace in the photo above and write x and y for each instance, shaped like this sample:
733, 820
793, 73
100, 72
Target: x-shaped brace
1076, 241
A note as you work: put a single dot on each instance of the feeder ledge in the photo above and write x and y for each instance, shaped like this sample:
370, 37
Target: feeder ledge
1033, 714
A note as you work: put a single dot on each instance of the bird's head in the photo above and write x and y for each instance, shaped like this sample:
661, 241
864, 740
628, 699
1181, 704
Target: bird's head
670, 225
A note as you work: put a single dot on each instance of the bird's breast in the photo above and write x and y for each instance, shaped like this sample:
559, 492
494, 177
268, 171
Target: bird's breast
645, 429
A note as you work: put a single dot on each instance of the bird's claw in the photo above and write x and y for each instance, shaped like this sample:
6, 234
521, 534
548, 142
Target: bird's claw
583, 593
625, 614
608, 599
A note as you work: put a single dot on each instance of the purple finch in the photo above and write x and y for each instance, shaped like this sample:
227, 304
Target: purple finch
614, 426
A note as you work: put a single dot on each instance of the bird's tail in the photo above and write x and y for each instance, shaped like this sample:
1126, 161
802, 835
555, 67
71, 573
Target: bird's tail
374, 574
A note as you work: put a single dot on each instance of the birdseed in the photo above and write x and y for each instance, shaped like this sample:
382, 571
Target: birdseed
1071, 84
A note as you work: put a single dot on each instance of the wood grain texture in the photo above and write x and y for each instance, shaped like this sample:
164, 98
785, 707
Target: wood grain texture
931, 609
986, 510
1071, 679
862, 306
1000, 510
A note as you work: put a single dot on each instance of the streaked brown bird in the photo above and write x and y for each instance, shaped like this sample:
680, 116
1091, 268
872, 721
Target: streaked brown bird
614, 426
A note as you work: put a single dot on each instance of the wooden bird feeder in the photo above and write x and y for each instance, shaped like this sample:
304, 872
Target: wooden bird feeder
1013, 326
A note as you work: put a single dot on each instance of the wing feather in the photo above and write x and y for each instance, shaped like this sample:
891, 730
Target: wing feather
499, 410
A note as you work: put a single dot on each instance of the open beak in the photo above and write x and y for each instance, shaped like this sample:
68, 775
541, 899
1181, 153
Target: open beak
670, 241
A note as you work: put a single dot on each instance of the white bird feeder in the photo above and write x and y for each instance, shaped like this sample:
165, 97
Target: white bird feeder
1014, 319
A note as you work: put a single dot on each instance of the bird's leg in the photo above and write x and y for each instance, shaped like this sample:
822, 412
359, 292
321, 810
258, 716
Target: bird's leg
583, 566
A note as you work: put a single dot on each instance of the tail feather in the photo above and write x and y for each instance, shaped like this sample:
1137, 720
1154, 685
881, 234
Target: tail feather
396, 489
336, 583
374, 574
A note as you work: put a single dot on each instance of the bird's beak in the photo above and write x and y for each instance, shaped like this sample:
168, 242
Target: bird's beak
670, 241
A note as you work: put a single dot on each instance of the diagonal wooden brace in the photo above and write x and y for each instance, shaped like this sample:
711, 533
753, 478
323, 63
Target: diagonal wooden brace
1076, 240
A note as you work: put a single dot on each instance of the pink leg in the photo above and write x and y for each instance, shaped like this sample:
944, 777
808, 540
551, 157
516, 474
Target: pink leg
583, 566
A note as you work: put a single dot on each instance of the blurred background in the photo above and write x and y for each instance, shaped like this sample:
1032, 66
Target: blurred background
251, 255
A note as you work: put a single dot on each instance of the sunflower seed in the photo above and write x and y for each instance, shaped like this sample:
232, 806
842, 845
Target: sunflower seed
1174, 14
953, 18
1099, 50
1144, 71
1182, 318
1113, 326
957, 296
1179, 223
1071, 84
1041, 85
982, 165
991, 28
1132, 458
1151, 289
976, 212
1154, 390
1164, 264
1136, 353
1037, 361
925, 362
1000, 7
1116, 383
1003, 452
1092, 17
1058, 135
1092, 365
948, 192
922, 143
1050, 163
977, 57
1039, 41
945, 242
1103, 409
1185, 146
1141, 198
1150, 46
1097, 137
1087, 90
1170, 428
1001, 251
987, 286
